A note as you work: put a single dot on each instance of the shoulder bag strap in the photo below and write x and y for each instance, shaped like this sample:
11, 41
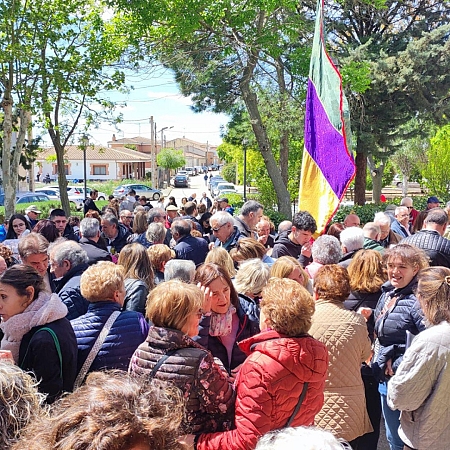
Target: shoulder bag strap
58, 347
299, 403
161, 362
95, 349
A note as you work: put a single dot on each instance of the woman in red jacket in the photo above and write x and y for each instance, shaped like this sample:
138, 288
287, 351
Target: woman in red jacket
281, 382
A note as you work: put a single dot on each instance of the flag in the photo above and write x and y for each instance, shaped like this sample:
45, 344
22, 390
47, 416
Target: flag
327, 165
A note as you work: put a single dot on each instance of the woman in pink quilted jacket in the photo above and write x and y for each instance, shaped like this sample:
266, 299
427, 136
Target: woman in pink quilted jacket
346, 337
281, 382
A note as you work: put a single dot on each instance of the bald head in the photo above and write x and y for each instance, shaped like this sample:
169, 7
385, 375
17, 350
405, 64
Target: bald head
352, 220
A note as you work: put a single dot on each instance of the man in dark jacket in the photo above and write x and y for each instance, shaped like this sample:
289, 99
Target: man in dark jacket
114, 233
59, 218
431, 240
251, 213
297, 241
89, 203
225, 233
68, 261
188, 247
91, 242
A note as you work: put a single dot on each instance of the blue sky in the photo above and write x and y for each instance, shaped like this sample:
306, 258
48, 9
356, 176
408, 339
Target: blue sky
157, 95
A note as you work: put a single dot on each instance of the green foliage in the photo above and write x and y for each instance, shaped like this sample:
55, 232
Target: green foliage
437, 170
275, 216
228, 172
45, 207
169, 158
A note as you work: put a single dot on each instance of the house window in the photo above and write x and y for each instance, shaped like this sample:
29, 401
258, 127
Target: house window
66, 169
99, 170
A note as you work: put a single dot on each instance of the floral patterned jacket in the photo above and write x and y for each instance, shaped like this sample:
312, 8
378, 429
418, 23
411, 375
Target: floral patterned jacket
208, 392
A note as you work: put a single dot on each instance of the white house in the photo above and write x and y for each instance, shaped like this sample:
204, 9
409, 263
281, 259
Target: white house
102, 163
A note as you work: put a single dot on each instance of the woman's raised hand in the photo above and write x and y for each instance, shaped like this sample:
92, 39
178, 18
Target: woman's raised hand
207, 298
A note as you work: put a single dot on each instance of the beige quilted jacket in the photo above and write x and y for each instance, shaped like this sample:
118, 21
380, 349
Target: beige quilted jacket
345, 335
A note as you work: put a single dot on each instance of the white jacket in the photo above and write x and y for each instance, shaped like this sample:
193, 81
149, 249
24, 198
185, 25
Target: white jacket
420, 390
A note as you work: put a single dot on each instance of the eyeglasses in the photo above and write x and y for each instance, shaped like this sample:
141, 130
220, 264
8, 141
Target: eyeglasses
409, 207
127, 217
215, 230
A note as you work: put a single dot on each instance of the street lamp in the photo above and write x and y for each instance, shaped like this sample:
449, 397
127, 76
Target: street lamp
244, 144
162, 135
84, 142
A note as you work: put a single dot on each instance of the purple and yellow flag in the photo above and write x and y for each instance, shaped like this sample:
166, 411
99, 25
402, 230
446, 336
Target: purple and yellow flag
327, 166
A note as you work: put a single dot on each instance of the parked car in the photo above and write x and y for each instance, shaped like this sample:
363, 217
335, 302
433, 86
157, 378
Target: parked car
26, 197
192, 171
140, 189
75, 195
214, 182
181, 181
53, 194
101, 195
183, 172
222, 186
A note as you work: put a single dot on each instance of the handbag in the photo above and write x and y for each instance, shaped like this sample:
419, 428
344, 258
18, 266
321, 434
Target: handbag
95, 349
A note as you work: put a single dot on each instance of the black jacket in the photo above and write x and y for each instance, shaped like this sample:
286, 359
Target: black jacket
285, 247
95, 251
192, 248
89, 204
435, 246
70, 234
38, 354
68, 290
121, 239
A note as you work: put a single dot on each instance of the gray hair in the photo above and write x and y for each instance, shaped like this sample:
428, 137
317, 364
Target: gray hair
326, 250
32, 244
311, 438
68, 250
179, 269
182, 227
371, 230
285, 225
382, 218
156, 233
352, 238
222, 217
111, 219
154, 213
250, 206
400, 209
406, 200
89, 227
252, 276
437, 216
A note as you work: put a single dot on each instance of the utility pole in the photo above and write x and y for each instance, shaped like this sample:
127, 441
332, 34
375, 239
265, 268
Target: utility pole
153, 151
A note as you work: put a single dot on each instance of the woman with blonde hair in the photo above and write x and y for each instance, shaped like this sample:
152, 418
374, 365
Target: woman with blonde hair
367, 275
251, 279
102, 285
289, 267
159, 255
112, 411
219, 256
281, 382
140, 228
170, 355
138, 274
249, 248
420, 386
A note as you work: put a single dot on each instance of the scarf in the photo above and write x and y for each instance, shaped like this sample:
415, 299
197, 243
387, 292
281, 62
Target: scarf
222, 324
45, 309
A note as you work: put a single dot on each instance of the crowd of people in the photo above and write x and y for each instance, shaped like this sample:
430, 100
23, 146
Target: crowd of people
163, 327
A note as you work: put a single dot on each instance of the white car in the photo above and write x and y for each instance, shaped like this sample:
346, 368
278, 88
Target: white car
53, 194
183, 172
221, 187
101, 195
76, 197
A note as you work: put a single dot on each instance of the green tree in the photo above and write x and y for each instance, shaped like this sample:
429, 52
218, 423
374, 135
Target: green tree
437, 169
405, 45
55, 62
170, 159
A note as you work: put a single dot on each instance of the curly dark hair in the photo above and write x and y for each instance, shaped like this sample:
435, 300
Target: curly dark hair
112, 411
303, 220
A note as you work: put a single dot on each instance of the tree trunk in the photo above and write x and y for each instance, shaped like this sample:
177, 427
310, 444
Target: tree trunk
377, 183
62, 180
405, 186
361, 169
251, 103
